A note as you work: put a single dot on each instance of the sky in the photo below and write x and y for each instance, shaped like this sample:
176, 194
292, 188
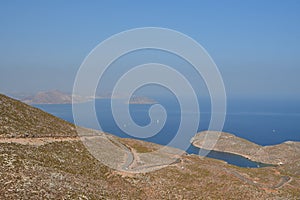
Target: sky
255, 44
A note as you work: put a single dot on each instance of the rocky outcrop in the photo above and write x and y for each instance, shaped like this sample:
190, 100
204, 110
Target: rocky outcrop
283, 153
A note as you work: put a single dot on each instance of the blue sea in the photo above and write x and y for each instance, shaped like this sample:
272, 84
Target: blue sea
265, 122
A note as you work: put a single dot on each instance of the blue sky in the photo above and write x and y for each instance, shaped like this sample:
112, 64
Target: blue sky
255, 44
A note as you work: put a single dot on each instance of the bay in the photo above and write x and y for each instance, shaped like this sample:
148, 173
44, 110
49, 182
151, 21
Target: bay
261, 122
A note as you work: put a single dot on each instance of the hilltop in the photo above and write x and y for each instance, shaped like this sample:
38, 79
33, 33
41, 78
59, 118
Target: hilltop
41, 157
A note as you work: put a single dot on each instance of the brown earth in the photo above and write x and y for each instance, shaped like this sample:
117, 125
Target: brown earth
43, 166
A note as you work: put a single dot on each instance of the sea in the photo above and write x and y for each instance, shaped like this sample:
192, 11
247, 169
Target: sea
264, 122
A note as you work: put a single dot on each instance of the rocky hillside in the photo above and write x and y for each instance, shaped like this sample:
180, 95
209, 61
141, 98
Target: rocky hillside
61, 167
21, 120
279, 154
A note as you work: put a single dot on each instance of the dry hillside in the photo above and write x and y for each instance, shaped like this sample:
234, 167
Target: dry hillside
54, 168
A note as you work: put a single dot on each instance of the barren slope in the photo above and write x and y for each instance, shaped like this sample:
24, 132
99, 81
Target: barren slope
21, 120
62, 168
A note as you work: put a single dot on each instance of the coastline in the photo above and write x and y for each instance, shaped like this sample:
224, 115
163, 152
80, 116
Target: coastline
279, 154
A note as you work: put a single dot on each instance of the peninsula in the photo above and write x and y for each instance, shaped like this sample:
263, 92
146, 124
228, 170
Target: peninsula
284, 153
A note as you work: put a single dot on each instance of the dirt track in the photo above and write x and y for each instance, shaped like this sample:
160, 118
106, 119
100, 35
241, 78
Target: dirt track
37, 141
130, 157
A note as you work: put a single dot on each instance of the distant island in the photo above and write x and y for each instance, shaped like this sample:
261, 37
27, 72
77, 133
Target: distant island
279, 154
58, 97
53, 97
141, 100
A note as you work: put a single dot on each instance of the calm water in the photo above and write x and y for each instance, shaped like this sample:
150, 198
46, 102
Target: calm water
263, 122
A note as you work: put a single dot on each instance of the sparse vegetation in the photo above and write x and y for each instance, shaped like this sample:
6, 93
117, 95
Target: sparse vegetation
20, 120
66, 170
139, 146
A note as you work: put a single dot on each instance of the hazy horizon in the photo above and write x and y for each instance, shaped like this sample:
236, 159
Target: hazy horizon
255, 44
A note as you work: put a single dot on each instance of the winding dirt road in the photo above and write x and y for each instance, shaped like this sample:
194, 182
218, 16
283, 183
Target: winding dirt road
130, 157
